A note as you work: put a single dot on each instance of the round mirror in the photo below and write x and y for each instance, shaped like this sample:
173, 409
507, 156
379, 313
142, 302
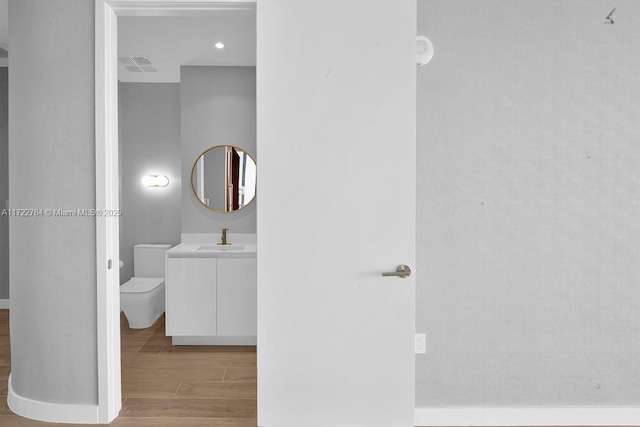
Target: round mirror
223, 178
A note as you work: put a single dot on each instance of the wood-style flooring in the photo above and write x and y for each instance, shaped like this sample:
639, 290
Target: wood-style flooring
166, 385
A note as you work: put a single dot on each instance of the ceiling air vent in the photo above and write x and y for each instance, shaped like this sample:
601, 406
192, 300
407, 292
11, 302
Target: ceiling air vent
137, 64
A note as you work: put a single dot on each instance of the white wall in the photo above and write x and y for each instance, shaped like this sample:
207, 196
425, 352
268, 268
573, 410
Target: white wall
528, 183
149, 125
218, 106
52, 158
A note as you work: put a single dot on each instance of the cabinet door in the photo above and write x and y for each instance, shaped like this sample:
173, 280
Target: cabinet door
191, 296
237, 297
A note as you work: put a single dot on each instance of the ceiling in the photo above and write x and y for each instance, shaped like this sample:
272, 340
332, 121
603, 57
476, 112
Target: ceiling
170, 42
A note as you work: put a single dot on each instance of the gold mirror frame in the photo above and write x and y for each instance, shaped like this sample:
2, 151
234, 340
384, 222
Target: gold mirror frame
193, 170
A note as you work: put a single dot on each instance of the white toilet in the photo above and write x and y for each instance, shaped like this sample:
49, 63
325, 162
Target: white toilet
142, 297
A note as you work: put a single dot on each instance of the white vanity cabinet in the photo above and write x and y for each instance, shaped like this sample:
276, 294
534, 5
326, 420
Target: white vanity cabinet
237, 296
211, 296
191, 296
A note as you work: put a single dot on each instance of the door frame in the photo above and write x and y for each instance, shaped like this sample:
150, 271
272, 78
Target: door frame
107, 194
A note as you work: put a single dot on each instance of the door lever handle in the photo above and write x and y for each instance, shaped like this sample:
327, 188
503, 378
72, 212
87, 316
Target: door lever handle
401, 271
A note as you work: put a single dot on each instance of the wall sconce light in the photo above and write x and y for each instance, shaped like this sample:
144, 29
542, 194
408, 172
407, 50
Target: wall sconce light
155, 181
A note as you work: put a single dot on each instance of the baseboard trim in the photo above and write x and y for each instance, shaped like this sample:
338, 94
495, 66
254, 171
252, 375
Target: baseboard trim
50, 412
4, 304
529, 416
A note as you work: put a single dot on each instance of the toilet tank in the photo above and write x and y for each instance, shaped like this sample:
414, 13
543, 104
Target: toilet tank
148, 259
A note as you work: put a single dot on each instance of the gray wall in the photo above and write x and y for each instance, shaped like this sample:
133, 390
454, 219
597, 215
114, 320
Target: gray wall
4, 182
218, 107
528, 210
149, 144
52, 158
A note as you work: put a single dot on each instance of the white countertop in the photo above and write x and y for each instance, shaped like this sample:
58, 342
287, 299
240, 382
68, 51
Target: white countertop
212, 250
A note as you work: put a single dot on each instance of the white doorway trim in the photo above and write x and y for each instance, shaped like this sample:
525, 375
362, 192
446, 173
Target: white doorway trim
107, 239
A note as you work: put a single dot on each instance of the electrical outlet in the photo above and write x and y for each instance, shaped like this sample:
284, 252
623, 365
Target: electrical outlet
421, 343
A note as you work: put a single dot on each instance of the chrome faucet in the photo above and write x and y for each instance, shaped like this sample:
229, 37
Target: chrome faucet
223, 238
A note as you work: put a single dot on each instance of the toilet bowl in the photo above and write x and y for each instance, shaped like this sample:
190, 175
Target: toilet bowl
142, 298
142, 301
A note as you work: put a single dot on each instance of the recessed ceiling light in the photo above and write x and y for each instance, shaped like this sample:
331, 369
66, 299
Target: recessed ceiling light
219, 45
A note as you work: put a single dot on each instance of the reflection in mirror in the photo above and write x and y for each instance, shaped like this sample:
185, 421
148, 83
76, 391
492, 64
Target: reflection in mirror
223, 178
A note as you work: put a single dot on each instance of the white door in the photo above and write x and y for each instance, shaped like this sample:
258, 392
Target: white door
336, 179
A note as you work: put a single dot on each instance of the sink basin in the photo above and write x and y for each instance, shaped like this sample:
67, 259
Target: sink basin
220, 248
